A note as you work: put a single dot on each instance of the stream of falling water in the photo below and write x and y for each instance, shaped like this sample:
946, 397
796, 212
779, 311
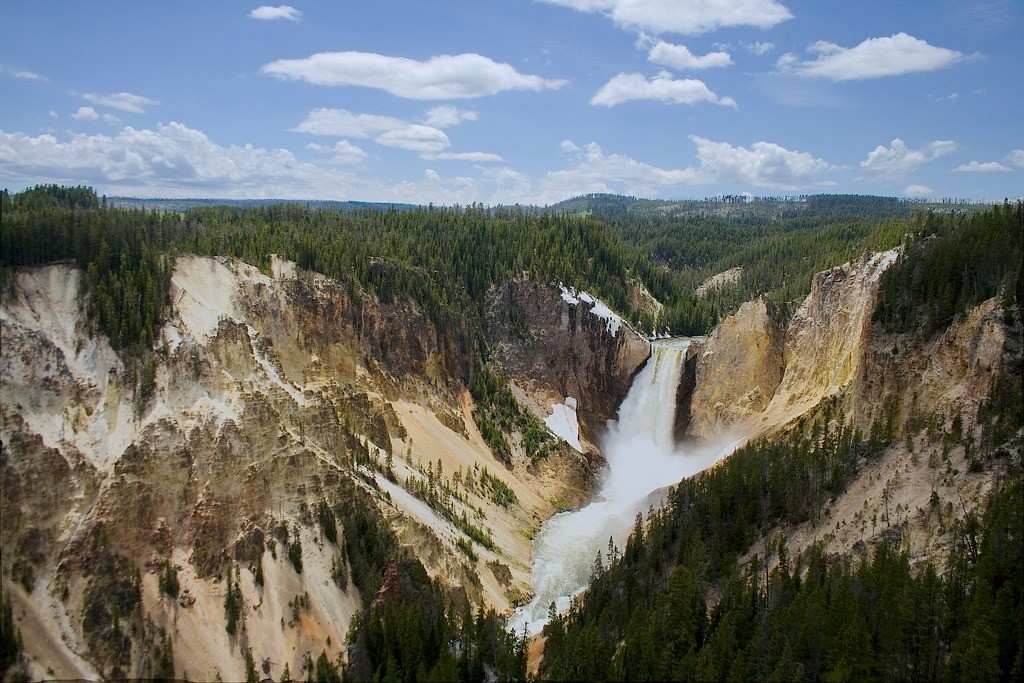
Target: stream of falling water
642, 457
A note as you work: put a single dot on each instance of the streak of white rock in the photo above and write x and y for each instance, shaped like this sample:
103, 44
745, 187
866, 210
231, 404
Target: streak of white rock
597, 307
272, 374
47, 302
203, 291
563, 422
415, 507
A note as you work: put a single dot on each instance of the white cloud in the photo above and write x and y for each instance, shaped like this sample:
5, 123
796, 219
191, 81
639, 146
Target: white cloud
171, 160
477, 157
786, 61
122, 101
342, 152
385, 130
174, 160
873, 58
759, 48
54, 115
445, 77
982, 167
688, 17
22, 74
663, 87
897, 159
85, 114
446, 116
680, 58
763, 164
918, 191
344, 124
415, 138
270, 13
29, 76
1016, 157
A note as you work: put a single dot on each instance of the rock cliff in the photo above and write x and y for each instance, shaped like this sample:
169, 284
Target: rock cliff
274, 397
739, 367
831, 362
557, 343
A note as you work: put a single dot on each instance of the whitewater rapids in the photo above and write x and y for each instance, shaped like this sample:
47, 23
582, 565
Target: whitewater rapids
642, 457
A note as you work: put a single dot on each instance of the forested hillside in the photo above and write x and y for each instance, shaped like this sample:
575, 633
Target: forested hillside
444, 259
686, 600
687, 597
774, 244
648, 615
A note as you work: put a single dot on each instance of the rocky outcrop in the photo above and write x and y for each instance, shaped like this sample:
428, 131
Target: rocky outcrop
754, 373
827, 335
738, 369
274, 396
687, 388
555, 343
832, 362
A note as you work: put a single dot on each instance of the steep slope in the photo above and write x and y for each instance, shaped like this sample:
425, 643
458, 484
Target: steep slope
277, 401
752, 375
559, 344
739, 367
833, 363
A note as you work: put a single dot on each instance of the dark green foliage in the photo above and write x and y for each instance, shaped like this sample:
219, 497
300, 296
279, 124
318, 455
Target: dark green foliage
368, 541
339, 571
467, 549
497, 490
111, 606
326, 671
778, 256
298, 605
645, 617
169, 580
234, 603
952, 264
446, 260
10, 638
437, 492
295, 554
497, 413
251, 676
55, 197
123, 255
410, 629
163, 660
417, 634
325, 516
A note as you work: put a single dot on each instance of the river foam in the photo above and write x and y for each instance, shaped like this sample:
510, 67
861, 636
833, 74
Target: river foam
642, 458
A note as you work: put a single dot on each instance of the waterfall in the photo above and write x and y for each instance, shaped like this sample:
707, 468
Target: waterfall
642, 457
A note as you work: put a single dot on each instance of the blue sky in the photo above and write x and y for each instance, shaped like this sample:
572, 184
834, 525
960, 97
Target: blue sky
515, 100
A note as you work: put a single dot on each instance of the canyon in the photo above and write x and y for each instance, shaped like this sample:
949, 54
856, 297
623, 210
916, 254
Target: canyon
278, 393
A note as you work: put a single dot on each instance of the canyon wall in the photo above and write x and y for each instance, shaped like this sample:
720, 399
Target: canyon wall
270, 398
557, 343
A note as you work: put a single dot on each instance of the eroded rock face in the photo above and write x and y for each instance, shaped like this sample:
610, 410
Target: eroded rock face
553, 348
274, 396
738, 368
826, 338
753, 374
832, 362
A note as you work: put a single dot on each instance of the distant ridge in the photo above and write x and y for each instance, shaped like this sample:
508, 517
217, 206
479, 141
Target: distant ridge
198, 202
